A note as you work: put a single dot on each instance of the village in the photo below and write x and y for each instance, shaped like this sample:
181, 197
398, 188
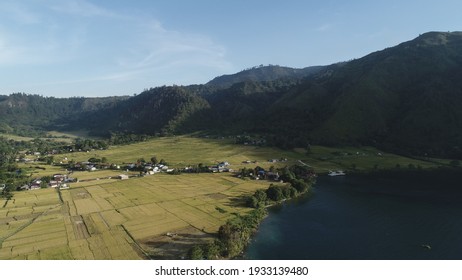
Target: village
140, 168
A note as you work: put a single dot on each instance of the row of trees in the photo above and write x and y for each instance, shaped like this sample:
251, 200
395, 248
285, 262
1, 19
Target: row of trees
298, 181
232, 237
10, 175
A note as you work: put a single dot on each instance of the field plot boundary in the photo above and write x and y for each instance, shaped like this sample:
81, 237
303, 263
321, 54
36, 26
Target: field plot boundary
26, 225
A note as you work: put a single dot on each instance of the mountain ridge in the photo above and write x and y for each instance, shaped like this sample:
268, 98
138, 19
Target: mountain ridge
406, 99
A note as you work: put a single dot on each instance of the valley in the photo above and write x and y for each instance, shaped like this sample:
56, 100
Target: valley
158, 216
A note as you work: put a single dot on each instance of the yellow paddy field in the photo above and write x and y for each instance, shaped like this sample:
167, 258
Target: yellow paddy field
151, 217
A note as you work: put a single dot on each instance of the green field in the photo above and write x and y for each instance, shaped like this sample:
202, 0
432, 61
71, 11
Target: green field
156, 216
183, 151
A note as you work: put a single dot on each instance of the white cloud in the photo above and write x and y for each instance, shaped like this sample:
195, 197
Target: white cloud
158, 47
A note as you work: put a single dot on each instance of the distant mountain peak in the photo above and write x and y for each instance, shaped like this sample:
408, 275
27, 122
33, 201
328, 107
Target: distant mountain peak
436, 38
262, 74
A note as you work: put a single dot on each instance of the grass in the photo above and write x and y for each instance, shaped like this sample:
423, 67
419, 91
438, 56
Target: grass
154, 216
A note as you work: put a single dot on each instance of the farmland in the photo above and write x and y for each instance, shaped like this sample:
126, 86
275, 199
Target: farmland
157, 216
151, 217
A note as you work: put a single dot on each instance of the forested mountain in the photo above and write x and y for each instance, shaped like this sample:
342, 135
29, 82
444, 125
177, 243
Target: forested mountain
406, 98
264, 74
159, 110
21, 112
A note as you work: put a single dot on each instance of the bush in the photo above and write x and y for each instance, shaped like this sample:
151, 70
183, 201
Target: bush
196, 253
275, 193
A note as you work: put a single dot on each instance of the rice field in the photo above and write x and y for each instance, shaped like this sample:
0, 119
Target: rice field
123, 219
180, 151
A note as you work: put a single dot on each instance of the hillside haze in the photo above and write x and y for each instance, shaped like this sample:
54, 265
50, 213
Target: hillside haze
405, 99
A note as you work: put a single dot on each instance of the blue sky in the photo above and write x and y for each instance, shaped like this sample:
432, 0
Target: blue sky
69, 48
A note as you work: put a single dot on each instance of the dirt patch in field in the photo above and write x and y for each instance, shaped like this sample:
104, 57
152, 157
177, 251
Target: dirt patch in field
174, 245
80, 193
80, 228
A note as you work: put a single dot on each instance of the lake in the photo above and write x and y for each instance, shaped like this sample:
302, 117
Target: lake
348, 217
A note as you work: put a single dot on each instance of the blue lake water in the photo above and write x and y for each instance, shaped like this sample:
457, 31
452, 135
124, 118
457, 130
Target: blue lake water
363, 218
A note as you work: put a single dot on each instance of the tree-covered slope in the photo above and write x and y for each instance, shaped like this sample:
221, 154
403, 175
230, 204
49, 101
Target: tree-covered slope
407, 98
263, 74
22, 112
155, 111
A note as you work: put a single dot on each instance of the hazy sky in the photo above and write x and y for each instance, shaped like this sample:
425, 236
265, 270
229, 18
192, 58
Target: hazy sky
69, 48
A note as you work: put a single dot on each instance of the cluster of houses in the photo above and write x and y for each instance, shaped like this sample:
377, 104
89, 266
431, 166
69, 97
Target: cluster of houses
92, 166
58, 181
221, 167
258, 173
151, 169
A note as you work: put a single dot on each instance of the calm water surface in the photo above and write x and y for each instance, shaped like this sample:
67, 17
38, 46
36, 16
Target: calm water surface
364, 218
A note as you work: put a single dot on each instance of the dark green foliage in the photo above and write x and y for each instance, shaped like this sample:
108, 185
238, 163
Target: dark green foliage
154, 160
27, 114
275, 193
196, 253
300, 185
94, 160
212, 251
236, 233
262, 74
257, 200
252, 202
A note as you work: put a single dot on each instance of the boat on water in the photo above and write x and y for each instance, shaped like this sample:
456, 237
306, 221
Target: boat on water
336, 173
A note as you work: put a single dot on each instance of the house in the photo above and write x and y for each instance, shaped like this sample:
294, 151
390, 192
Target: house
272, 176
34, 186
53, 184
122, 177
60, 177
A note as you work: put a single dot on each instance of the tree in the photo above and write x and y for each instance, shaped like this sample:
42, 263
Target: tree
154, 160
252, 202
274, 193
212, 251
196, 253
49, 160
300, 185
261, 195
